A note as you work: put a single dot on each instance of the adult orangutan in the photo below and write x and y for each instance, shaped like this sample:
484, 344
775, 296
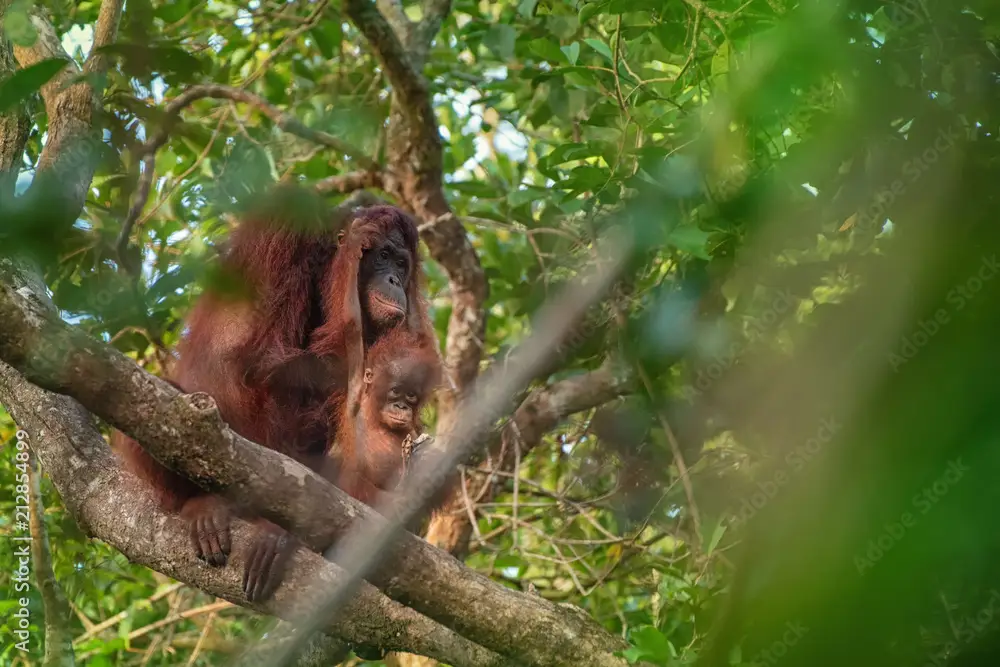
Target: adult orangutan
276, 363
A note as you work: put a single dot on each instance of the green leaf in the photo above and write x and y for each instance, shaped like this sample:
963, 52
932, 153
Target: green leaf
720, 65
652, 644
526, 196
586, 177
527, 8
142, 60
566, 152
24, 83
690, 239
546, 49
717, 534
474, 188
563, 26
590, 10
601, 48
17, 24
508, 560
632, 654
328, 35
171, 12
500, 40
572, 52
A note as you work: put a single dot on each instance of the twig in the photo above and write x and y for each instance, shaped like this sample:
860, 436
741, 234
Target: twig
470, 510
120, 616
422, 35
516, 433
618, 82
181, 616
170, 620
187, 172
682, 468
308, 23
56, 609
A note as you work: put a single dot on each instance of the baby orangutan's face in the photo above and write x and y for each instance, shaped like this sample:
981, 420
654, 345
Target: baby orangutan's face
400, 392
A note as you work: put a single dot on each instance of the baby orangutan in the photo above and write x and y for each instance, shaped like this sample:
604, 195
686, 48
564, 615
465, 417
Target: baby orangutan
401, 372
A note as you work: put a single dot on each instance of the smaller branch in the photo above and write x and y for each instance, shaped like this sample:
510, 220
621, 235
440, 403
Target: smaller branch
121, 616
68, 160
358, 199
187, 172
201, 639
283, 120
105, 33
350, 182
423, 33
396, 16
58, 636
715, 13
537, 415
181, 616
618, 83
308, 23
682, 468
408, 83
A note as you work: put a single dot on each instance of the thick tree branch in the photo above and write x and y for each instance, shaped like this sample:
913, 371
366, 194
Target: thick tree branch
96, 491
350, 182
396, 16
544, 408
66, 165
422, 35
116, 507
171, 115
185, 433
105, 33
14, 127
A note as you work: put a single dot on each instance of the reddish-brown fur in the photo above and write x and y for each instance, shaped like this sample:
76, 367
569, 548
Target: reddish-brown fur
277, 364
371, 441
